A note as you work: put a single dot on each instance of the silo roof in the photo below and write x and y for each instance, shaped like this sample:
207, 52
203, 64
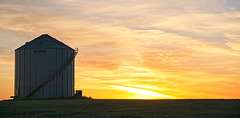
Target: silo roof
44, 42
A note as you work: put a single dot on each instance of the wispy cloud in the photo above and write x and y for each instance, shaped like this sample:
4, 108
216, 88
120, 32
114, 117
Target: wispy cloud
172, 45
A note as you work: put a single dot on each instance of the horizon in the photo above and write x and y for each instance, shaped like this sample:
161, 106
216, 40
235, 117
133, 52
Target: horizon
141, 49
109, 99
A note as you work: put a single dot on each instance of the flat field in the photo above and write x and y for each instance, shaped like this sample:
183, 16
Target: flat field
82, 108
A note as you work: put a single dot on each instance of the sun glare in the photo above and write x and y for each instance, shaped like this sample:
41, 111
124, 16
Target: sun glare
144, 94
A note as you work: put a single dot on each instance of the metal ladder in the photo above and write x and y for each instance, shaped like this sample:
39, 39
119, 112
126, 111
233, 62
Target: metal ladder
72, 57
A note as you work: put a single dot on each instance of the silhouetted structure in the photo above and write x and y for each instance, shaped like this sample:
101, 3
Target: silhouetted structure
78, 94
44, 68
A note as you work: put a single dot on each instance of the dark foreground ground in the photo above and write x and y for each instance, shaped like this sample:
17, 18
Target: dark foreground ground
121, 108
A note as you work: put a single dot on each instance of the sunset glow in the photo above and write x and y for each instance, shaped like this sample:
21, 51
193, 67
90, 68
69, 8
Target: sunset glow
143, 49
144, 94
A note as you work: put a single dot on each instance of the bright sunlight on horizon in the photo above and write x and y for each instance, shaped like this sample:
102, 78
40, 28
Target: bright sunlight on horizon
138, 49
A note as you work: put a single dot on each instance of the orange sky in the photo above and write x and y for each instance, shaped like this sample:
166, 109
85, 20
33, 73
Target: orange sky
143, 49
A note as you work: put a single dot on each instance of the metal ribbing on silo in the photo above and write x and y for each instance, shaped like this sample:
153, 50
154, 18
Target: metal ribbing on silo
64, 73
59, 74
33, 70
69, 70
26, 72
39, 72
36, 64
16, 93
69, 75
53, 66
73, 78
45, 88
21, 78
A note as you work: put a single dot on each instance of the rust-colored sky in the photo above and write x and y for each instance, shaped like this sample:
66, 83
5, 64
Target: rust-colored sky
138, 49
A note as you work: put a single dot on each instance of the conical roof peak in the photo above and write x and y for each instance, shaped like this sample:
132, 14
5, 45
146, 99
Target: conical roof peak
44, 41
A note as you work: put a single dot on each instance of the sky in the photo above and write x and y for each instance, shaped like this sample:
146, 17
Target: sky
133, 49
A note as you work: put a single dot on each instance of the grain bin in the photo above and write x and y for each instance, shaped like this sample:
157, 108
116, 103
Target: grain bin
44, 68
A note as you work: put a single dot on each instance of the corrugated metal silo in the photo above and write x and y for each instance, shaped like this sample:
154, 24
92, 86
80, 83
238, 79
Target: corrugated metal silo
44, 68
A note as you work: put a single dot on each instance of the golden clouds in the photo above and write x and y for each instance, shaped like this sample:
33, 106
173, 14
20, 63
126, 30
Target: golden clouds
233, 41
168, 47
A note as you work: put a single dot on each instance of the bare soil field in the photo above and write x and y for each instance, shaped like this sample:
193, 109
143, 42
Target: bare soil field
85, 108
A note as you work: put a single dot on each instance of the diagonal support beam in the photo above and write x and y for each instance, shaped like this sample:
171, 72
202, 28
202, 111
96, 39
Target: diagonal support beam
72, 57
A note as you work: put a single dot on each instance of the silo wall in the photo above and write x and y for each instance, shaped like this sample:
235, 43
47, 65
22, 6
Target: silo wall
35, 66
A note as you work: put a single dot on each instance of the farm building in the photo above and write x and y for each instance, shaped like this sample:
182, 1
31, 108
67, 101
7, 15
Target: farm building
44, 68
